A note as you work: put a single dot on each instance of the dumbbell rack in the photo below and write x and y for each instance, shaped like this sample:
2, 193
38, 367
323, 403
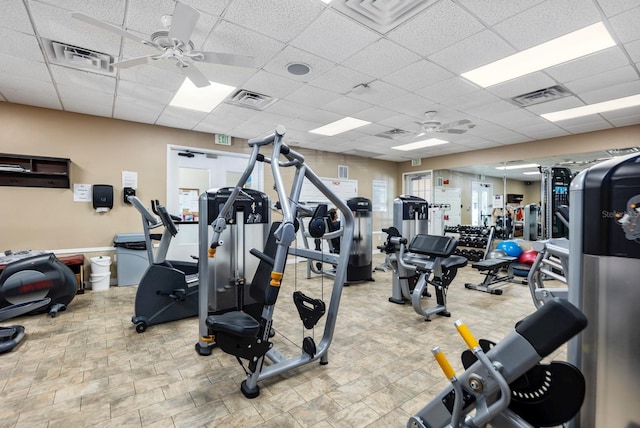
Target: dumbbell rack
474, 242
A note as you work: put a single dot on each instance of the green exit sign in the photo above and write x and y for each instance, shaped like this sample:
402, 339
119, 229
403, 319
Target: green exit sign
223, 140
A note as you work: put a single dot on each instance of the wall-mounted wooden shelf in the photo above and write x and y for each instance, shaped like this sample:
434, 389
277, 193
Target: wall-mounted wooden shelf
34, 171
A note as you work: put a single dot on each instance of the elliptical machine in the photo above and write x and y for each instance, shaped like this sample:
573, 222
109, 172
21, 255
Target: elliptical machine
168, 290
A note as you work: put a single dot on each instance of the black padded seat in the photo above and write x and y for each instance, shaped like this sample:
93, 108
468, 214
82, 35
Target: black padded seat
493, 263
433, 245
454, 262
236, 323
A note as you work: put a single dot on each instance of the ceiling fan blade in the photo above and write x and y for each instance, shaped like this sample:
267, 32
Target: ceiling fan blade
452, 131
195, 75
133, 61
223, 58
183, 22
117, 30
464, 123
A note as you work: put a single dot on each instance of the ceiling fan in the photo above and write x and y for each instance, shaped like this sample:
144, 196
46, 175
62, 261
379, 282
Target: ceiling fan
174, 45
431, 125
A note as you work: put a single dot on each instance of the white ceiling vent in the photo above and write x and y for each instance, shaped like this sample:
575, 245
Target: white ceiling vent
77, 57
251, 99
394, 134
541, 96
381, 15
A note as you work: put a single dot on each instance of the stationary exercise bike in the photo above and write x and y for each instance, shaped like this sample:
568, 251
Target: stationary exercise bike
168, 290
32, 283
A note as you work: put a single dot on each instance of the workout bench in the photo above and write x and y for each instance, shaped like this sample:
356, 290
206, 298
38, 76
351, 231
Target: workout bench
493, 269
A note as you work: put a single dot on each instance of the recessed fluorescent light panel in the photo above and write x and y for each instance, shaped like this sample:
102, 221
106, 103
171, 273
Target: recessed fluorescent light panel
339, 126
574, 45
531, 173
524, 165
420, 144
205, 99
617, 104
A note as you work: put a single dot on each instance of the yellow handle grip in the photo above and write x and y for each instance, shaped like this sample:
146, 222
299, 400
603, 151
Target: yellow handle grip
443, 362
468, 337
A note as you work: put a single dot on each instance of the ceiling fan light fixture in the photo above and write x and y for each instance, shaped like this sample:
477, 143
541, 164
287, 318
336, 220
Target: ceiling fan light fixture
205, 99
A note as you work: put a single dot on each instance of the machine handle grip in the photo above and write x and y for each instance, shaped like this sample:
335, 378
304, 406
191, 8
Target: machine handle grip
466, 334
443, 362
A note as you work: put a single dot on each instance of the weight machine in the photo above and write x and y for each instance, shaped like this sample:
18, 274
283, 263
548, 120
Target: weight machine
246, 335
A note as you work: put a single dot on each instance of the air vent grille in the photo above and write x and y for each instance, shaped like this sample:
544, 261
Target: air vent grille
77, 57
249, 99
394, 134
381, 15
541, 96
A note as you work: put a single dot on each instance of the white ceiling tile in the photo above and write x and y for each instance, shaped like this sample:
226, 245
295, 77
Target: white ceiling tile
603, 80
15, 17
86, 101
472, 100
346, 106
625, 25
522, 85
633, 48
378, 93
137, 109
450, 88
410, 104
381, 58
21, 45
541, 133
286, 18
312, 96
495, 11
588, 127
149, 94
614, 7
439, 26
230, 38
278, 65
227, 75
611, 93
491, 108
111, 11
474, 51
33, 93
24, 68
321, 116
375, 114
180, 118
306, 125
418, 75
596, 63
291, 109
271, 85
83, 79
340, 79
143, 16
546, 21
631, 112
625, 121
156, 74
332, 30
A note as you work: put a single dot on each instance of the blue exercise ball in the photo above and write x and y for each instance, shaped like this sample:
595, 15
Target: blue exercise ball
511, 248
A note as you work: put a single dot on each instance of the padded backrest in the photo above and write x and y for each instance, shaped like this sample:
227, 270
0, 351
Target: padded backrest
262, 276
433, 245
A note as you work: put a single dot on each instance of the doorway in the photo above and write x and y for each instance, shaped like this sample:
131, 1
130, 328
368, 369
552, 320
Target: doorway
481, 203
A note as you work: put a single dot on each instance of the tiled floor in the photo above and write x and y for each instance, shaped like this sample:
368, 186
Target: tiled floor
89, 367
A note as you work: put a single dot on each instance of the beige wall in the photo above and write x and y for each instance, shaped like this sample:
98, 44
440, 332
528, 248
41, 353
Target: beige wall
100, 149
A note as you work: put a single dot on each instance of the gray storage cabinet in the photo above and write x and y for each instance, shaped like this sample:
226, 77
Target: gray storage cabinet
131, 258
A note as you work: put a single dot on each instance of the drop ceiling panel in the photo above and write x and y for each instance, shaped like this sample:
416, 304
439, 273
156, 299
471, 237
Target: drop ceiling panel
331, 30
475, 51
230, 38
278, 65
312, 96
15, 17
625, 25
30, 92
633, 48
145, 93
153, 75
341, 80
379, 93
447, 89
24, 68
410, 104
613, 92
375, 114
522, 85
180, 118
85, 101
614, 7
546, 21
472, 100
596, 63
587, 127
137, 109
495, 11
622, 113
271, 85
346, 106
83, 79
111, 11
381, 58
16, 44
287, 18
320, 116
616, 77
438, 27
418, 75
291, 109
555, 105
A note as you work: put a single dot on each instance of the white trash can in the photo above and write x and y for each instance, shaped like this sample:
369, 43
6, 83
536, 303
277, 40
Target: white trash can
100, 273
